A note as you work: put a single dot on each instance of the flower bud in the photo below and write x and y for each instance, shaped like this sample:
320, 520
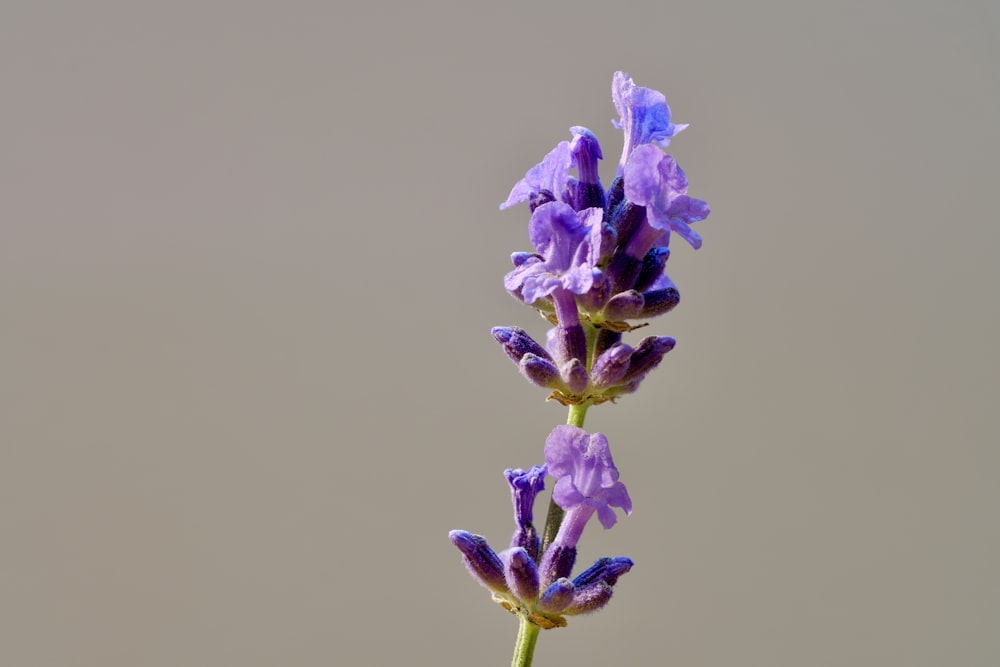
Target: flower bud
567, 343
647, 356
624, 306
604, 340
589, 599
616, 194
611, 366
626, 220
517, 343
556, 597
574, 374
622, 271
658, 302
557, 562
521, 574
482, 562
540, 372
604, 569
652, 268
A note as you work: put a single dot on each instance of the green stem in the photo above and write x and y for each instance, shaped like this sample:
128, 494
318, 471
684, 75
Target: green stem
577, 413
524, 649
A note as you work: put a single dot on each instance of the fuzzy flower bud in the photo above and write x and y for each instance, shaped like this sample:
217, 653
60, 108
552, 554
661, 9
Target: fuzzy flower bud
521, 574
482, 562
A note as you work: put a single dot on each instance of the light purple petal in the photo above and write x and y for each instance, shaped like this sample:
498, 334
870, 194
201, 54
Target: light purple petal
585, 472
643, 115
551, 174
654, 179
565, 494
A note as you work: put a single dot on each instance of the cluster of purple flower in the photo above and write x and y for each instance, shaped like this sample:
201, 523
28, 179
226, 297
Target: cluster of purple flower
598, 264
524, 579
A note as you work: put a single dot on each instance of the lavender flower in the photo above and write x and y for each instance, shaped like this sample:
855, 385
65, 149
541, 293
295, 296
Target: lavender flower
525, 485
551, 176
525, 584
597, 265
586, 480
567, 253
644, 116
654, 179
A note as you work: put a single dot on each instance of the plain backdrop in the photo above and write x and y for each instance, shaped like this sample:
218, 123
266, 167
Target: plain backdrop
250, 254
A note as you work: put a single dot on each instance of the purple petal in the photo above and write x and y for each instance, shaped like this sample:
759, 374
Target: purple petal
643, 115
550, 174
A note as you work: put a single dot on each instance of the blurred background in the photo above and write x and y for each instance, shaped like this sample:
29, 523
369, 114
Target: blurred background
250, 254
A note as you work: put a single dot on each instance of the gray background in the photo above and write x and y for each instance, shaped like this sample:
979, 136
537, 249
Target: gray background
250, 254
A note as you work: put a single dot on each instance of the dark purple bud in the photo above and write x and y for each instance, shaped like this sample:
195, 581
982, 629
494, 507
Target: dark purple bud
652, 268
616, 194
517, 343
574, 374
611, 366
604, 340
588, 599
622, 271
556, 597
541, 372
588, 195
521, 574
604, 569
626, 220
658, 302
647, 356
624, 306
557, 562
568, 343
483, 563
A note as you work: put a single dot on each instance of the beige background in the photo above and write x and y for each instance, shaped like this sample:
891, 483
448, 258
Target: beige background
250, 254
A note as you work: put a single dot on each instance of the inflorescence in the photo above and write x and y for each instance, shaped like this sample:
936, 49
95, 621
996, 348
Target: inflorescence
596, 272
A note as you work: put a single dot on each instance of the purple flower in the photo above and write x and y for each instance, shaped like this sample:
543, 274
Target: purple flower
551, 175
568, 248
586, 480
525, 485
653, 179
644, 116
